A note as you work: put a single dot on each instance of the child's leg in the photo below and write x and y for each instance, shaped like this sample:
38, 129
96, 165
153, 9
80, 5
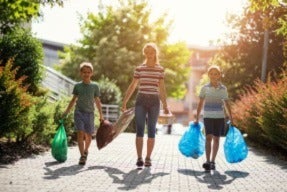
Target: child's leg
151, 123
215, 147
139, 146
208, 147
88, 140
153, 112
218, 127
80, 139
150, 146
140, 118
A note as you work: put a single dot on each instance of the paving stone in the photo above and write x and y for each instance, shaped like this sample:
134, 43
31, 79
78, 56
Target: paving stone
113, 169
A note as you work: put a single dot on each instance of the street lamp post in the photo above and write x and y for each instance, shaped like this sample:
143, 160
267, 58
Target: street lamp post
265, 53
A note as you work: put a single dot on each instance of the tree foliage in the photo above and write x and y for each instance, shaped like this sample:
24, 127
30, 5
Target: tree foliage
110, 92
27, 55
242, 59
177, 71
281, 19
17, 12
113, 40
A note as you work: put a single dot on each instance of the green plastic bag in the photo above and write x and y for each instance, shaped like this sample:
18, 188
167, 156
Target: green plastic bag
60, 144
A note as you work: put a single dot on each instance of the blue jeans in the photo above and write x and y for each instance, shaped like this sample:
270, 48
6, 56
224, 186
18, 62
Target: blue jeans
146, 110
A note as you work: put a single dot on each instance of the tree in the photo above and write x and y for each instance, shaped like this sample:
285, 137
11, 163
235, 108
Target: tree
281, 20
110, 93
16, 12
27, 55
113, 40
175, 57
241, 60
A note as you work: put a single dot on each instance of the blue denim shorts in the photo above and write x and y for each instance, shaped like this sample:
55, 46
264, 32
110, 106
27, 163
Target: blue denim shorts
84, 121
214, 126
146, 111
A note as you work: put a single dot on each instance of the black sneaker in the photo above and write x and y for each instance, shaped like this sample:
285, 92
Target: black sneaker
206, 166
212, 165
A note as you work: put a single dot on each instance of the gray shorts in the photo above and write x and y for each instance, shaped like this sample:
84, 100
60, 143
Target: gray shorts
84, 122
214, 126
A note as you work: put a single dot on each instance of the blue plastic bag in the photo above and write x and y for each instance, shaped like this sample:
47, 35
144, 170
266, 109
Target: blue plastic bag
235, 148
192, 143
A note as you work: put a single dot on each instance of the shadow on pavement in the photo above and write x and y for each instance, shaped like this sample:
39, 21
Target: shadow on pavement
133, 178
214, 179
269, 157
63, 171
3, 166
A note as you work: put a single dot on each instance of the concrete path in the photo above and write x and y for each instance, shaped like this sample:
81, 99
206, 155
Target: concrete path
113, 169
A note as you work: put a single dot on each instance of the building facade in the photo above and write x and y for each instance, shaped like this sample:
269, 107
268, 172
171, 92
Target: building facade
51, 50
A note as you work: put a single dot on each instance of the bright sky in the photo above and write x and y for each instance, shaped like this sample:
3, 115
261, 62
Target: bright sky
195, 21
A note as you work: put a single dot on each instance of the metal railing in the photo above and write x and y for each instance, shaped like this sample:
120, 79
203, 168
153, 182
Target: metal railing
57, 83
110, 112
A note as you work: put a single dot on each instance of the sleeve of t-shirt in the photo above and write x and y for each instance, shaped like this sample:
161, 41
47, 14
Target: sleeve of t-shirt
137, 73
97, 91
202, 92
75, 90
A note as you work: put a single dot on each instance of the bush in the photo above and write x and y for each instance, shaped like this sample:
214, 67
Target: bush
273, 119
245, 113
14, 102
27, 55
23, 117
110, 92
59, 108
261, 112
42, 125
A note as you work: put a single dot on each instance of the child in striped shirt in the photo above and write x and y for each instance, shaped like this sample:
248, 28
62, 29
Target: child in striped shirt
150, 78
212, 97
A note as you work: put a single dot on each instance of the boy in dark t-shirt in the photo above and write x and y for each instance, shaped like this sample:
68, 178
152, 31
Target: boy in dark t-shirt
85, 94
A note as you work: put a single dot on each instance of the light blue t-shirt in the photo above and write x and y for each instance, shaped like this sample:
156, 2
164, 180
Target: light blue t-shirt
214, 100
86, 96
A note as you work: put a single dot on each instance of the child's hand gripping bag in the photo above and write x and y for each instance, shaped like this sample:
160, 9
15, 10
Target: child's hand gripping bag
192, 143
60, 144
235, 148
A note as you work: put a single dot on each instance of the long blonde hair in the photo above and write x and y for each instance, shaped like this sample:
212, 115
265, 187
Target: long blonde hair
154, 46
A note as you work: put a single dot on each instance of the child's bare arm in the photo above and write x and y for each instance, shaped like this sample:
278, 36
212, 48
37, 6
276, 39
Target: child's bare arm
71, 104
162, 94
199, 108
129, 92
227, 105
99, 106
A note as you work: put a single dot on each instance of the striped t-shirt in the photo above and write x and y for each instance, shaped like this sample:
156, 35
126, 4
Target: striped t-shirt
214, 100
149, 78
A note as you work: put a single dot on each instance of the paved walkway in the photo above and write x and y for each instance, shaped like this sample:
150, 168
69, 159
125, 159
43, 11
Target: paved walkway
113, 169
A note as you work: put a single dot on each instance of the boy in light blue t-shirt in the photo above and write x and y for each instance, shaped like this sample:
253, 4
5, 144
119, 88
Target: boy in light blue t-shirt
85, 94
212, 97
